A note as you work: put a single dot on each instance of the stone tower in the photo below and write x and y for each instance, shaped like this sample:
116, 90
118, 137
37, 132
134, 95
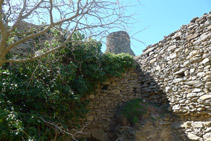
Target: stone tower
119, 42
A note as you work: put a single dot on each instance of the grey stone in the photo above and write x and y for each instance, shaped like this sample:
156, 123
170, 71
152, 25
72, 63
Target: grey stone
207, 137
194, 83
173, 47
205, 97
176, 107
99, 134
193, 137
190, 95
186, 125
208, 130
200, 74
186, 63
207, 78
180, 71
177, 36
205, 61
192, 70
149, 49
191, 54
202, 38
172, 56
119, 42
197, 124
168, 89
152, 61
209, 17
194, 19
177, 80
207, 84
90, 118
196, 90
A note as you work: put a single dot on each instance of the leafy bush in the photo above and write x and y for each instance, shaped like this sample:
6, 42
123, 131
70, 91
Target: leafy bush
133, 110
52, 91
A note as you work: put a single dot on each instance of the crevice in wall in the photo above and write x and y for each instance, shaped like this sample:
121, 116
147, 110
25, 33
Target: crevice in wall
105, 87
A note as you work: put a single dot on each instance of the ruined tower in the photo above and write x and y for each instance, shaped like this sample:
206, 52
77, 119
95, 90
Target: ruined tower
119, 42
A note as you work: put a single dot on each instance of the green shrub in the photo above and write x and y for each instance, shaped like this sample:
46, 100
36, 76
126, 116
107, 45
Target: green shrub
133, 110
53, 89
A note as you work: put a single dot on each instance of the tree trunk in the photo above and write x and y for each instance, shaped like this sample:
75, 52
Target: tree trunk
2, 59
1, 63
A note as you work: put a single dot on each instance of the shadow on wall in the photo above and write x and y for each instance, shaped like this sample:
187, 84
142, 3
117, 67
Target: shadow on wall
147, 117
132, 108
181, 65
174, 79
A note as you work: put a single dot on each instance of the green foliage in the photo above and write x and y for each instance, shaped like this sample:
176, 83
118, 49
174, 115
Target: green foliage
133, 110
54, 89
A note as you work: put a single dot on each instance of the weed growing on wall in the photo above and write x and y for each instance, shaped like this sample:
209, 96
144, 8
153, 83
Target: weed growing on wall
34, 96
133, 110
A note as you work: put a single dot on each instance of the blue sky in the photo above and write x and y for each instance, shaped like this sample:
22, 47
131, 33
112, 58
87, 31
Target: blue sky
159, 18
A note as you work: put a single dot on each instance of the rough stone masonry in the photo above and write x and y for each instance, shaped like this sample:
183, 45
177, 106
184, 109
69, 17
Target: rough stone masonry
119, 42
176, 70
180, 64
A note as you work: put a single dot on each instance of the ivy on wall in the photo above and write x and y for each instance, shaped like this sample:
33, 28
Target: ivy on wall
54, 89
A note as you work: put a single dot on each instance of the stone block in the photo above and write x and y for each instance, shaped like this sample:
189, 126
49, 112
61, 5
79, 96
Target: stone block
116, 92
90, 118
193, 137
197, 124
205, 97
100, 134
207, 137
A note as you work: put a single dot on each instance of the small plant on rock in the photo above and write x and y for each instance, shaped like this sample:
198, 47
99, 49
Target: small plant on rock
133, 110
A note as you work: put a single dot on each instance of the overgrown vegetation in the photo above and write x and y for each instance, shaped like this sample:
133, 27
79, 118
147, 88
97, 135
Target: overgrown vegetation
133, 110
37, 95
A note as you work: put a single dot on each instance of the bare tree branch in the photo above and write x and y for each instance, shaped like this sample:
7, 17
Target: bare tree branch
90, 17
3, 27
63, 131
4, 33
21, 16
28, 38
50, 11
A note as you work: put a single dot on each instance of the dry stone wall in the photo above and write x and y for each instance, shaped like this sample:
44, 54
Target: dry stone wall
180, 64
175, 71
112, 93
104, 103
32, 47
179, 67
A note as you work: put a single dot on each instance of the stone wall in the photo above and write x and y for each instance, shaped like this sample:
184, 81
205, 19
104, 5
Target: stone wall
105, 102
180, 64
180, 70
118, 42
175, 72
32, 47
26, 48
